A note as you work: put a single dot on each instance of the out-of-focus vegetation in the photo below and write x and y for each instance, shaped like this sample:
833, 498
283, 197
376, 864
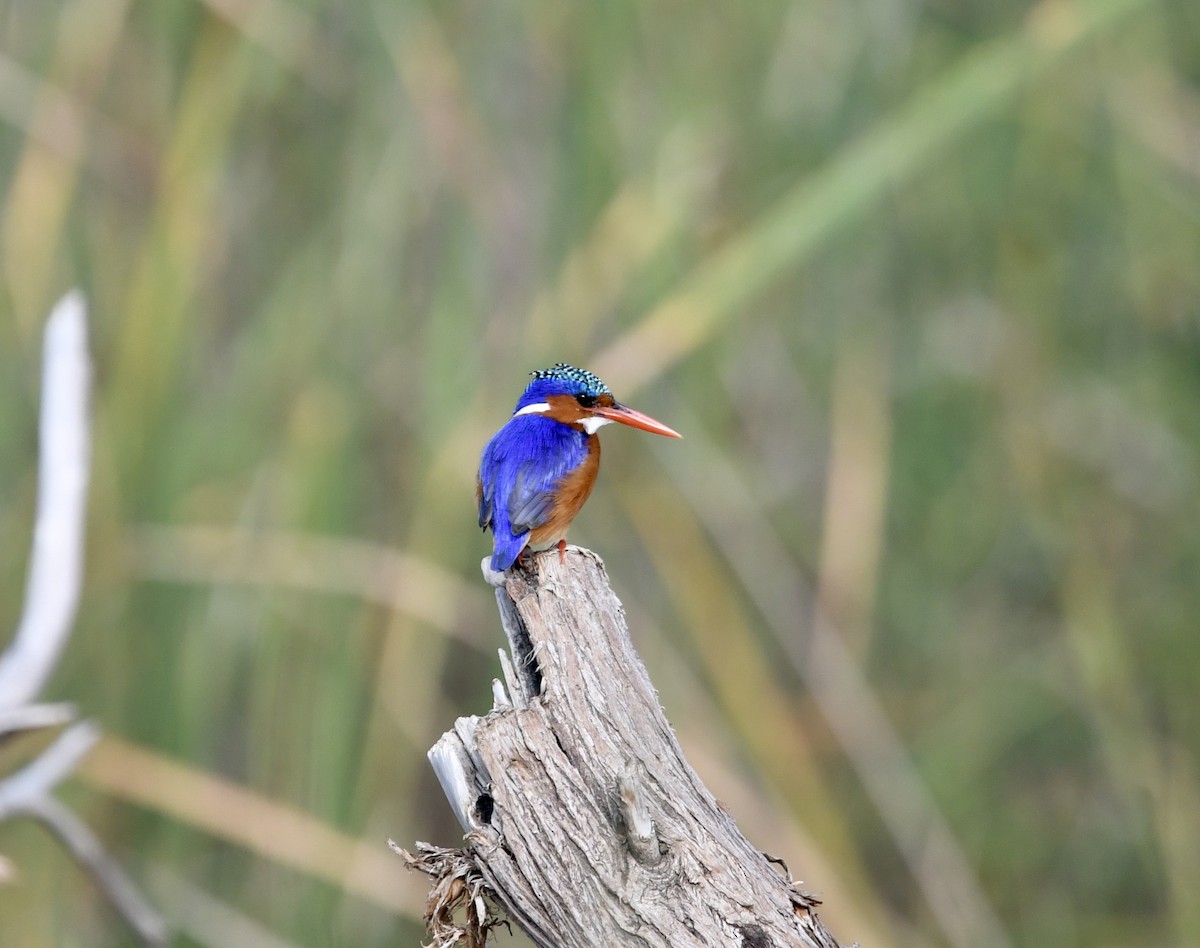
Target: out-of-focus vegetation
919, 283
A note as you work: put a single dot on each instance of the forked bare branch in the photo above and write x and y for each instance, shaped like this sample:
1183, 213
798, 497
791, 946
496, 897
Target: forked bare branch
48, 616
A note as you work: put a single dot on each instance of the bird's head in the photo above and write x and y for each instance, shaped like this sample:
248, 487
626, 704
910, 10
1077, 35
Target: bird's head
580, 399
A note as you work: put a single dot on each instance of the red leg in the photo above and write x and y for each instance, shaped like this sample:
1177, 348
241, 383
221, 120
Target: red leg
562, 550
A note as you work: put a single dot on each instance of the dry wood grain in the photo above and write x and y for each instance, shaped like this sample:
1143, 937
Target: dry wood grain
582, 816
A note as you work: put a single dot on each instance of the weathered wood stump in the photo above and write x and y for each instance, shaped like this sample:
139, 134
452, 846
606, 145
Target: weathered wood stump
583, 820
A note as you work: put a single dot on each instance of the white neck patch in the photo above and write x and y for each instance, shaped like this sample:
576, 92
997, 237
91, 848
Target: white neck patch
537, 408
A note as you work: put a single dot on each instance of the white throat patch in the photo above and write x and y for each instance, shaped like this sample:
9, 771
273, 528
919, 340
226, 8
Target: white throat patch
592, 423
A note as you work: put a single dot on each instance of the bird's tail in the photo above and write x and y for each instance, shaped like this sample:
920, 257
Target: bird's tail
507, 548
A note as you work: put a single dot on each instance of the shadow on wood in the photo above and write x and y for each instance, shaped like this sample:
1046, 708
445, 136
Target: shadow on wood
583, 820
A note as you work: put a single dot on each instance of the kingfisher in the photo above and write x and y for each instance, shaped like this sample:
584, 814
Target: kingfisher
538, 470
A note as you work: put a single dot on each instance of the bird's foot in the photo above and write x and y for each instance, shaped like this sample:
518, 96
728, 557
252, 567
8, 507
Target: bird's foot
562, 551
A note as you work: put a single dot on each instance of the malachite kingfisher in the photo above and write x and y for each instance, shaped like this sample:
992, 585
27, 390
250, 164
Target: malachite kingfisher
538, 470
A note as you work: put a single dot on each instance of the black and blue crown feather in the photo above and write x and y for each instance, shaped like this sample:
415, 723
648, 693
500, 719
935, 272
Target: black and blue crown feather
588, 382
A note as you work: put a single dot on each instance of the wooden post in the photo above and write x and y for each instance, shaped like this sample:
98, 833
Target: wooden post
583, 820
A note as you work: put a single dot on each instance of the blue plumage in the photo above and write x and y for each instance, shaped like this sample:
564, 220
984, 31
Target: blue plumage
521, 465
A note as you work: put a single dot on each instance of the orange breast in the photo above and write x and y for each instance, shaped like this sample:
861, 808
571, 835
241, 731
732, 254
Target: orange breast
572, 492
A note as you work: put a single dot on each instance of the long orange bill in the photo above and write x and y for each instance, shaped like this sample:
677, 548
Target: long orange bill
635, 419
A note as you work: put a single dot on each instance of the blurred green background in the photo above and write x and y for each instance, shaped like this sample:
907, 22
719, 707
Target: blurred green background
920, 284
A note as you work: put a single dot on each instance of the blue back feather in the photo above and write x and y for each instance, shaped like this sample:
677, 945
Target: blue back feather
517, 474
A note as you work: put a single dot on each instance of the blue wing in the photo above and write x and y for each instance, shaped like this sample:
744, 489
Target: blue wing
518, 472
532, 497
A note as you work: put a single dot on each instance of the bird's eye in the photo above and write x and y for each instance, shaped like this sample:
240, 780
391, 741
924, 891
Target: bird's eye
585, 400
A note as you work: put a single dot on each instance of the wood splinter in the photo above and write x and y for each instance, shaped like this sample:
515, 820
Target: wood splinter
640, 836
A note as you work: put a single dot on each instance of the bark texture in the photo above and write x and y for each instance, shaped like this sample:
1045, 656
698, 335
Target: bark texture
581, 814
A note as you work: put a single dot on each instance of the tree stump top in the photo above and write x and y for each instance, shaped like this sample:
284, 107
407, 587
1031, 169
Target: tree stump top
582, 815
